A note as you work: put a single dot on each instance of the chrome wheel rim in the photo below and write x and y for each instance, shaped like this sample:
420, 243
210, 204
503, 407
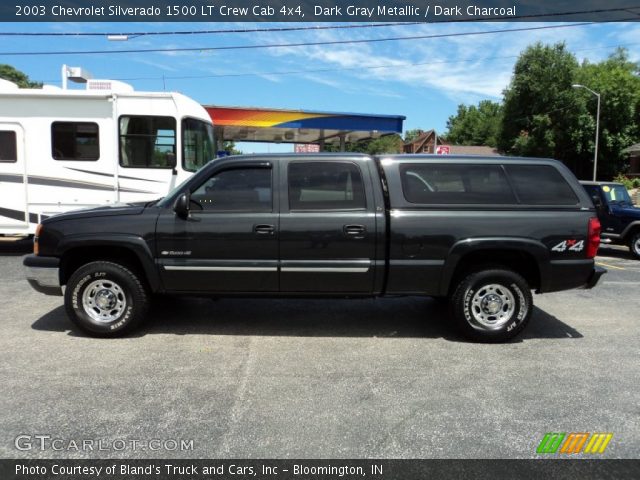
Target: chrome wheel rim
104, 301
492, 306
636, 245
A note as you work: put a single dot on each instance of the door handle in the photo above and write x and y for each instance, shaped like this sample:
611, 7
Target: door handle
264, 229
356, 231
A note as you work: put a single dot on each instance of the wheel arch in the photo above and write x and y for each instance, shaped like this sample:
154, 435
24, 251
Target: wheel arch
129, 251
630, 231
527, 257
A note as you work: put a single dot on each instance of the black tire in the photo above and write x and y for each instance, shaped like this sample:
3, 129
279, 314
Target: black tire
634, 244
96, 287
492, 305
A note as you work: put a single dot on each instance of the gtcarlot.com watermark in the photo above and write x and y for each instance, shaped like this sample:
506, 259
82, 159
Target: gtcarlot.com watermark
26, 442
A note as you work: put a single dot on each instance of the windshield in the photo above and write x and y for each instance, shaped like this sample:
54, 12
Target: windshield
616, 194
197, 143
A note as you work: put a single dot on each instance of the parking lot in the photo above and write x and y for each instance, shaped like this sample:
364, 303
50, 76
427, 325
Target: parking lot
383, 378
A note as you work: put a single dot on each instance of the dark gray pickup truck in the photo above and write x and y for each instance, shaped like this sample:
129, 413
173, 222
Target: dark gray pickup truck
482, 232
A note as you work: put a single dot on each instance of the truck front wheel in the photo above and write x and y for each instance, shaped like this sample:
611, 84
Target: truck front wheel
105, 299
492, 305
634, 244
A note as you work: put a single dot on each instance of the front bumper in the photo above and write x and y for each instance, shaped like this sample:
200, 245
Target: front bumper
595, 276
43, 274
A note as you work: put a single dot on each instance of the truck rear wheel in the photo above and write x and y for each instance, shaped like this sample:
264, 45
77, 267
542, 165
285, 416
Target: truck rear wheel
634, 244
106, 299
492, 305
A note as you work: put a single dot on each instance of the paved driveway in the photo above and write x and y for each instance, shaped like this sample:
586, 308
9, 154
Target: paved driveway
385, 378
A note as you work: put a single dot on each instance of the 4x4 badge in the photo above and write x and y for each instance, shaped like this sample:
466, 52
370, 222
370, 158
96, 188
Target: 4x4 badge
571, 245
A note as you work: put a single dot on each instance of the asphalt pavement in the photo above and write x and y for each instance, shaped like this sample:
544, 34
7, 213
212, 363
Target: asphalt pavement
375, 378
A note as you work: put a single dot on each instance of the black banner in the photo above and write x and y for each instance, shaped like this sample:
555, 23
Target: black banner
317, 11
317, 469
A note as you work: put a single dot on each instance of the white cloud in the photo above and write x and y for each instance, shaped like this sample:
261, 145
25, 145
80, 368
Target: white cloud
464, 68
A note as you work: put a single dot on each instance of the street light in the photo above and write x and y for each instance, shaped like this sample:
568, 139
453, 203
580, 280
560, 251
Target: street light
595, 153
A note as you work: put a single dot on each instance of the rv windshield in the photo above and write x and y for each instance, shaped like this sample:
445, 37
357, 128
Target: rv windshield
197, 144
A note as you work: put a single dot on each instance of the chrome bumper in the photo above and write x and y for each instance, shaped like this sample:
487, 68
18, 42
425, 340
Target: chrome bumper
43, 274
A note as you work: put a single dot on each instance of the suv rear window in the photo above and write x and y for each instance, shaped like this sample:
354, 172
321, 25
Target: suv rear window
461, 184
540, 185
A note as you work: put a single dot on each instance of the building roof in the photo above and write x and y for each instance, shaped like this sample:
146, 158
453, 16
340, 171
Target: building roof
632, 149
424, 143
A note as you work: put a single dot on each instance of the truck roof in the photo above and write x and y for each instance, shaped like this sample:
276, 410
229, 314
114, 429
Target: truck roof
401, 157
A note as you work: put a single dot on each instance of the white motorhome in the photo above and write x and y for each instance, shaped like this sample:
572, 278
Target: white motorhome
65, 149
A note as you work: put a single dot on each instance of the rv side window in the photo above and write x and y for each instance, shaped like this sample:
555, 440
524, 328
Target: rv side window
147, 142
75, 141
197, 144
8, 150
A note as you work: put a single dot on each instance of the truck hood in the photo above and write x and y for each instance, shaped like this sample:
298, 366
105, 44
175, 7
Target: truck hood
102, 211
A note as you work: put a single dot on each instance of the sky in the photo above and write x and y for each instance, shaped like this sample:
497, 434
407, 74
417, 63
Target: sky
422, 79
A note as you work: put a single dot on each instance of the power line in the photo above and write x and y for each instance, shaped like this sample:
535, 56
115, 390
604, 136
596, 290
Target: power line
289, 45
204, 32
316, 27
339, 69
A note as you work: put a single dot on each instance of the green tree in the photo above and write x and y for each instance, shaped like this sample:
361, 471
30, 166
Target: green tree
411, 135
230, 146
7, 72
616, 80
543, 116
475, 125
542, 113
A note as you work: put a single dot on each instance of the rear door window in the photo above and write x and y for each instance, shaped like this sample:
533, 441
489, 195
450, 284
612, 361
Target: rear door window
325, 186
540, 185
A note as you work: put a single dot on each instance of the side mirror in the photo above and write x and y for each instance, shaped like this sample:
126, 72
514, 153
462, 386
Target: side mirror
181, 206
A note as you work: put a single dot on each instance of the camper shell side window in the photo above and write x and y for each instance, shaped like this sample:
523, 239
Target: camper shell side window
75, 141
8, 146
147, 141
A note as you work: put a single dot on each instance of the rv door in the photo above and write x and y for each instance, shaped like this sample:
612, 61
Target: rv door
14, 215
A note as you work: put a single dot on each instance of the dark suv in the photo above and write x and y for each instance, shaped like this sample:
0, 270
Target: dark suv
619, 218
